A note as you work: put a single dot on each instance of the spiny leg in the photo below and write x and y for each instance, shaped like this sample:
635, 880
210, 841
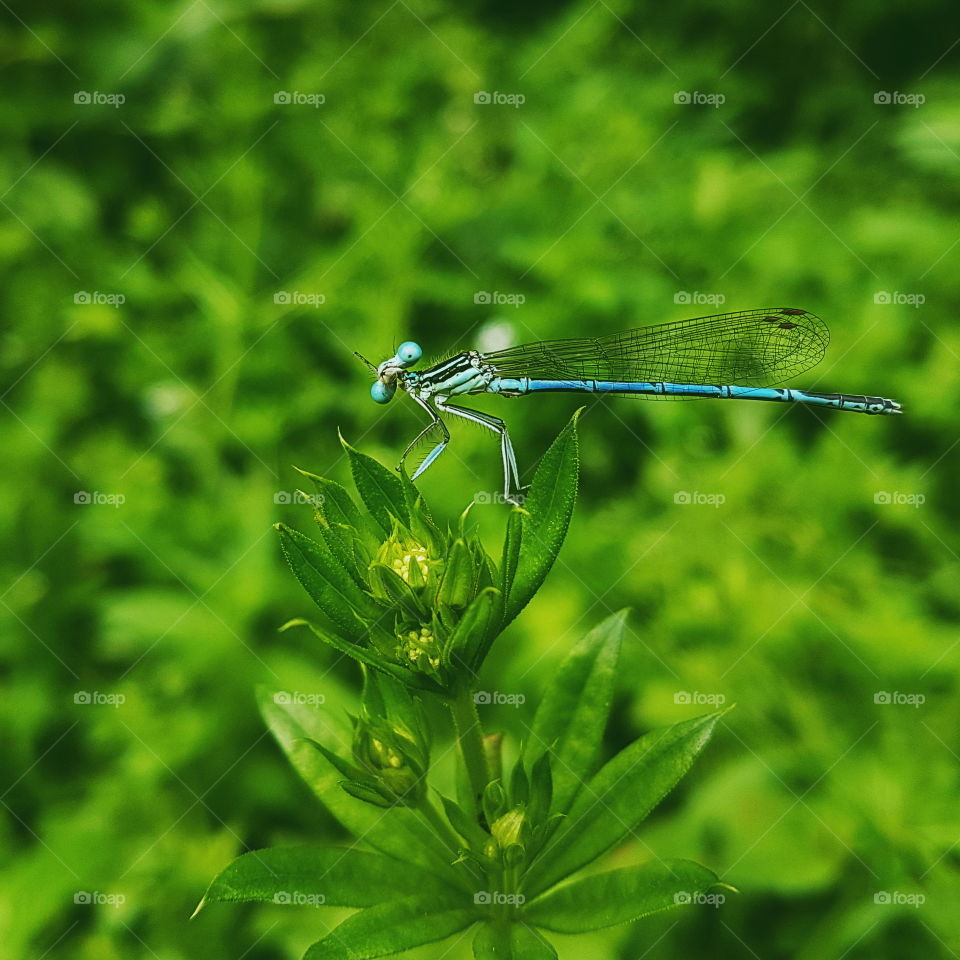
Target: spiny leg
435, 422
506, 447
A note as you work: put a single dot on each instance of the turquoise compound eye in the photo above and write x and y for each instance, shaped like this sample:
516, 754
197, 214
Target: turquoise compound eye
409, 353
382, 393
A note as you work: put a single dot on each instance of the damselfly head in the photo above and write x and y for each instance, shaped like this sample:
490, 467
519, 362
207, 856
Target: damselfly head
408, 353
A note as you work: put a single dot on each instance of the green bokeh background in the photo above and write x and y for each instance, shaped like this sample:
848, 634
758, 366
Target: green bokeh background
602, 202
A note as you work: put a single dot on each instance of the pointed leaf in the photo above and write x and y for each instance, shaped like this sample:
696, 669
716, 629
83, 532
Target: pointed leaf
380, 489
333, 876
516, 942
618, 798
511, 550
545, 517
469, 829
470, 640
397, 832
573, 713
396, 926
330, 586
366, 656
618, 896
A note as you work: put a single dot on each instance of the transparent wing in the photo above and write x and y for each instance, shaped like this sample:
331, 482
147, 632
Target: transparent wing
752, 348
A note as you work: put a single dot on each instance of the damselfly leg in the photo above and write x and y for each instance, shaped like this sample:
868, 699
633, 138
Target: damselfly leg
506, 447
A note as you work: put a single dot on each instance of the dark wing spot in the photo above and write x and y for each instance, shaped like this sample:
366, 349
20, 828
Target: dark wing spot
771, 319
786, 326
792, 312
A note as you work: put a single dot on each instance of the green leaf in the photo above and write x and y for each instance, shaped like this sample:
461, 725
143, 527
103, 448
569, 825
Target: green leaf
456, 588
340, 523
516, 942
397, 832
476, 629
366, 656
390, 928
618, 896
467, 827
511, 550
572, 715
337, 877
330, 586
545, 518
335, 504
615, 801
381, 490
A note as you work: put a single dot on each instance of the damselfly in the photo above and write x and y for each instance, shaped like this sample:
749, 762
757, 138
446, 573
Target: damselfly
732, 356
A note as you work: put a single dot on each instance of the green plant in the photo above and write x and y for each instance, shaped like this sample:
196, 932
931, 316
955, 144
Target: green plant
418, 609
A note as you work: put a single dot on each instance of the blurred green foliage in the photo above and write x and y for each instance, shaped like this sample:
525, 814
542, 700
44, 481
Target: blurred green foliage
201, 201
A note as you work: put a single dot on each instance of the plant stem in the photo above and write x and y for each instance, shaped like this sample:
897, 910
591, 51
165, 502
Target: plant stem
466, 721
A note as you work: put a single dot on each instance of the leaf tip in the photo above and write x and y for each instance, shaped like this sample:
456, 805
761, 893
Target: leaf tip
200, 906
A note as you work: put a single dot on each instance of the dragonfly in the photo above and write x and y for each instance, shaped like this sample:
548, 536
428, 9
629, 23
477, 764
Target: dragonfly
730, 356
